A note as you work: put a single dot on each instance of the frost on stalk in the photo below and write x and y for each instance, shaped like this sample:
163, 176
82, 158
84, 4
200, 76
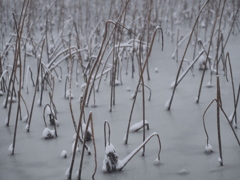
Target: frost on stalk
110, 161
138, 126
133, 96
89, 132
83, 86
68, 95
10, 148
220, 160
27, 127
157, 161
48, 133
38, 102
78, 149
167, 104
125, 137
172, 84
25, 119
64, 154
196, 99
67, 172
209, 84
231, 116
208, 148
6, 121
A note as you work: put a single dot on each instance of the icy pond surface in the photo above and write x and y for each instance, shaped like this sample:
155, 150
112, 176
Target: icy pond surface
180, 129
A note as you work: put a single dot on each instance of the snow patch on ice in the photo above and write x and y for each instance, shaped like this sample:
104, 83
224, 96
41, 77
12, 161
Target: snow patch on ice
209, 84
183, 172
67, 172
64, 154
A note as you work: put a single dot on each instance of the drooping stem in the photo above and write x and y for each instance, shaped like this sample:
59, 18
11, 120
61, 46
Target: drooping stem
134, 152
109, 133
140, 78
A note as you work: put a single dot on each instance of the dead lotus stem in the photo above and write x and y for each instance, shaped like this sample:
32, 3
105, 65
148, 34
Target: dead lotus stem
141, 76
16, 123
90, 120
230, 124
106, 123
134, 152
185, 51
37, 81
233, 88
25, 107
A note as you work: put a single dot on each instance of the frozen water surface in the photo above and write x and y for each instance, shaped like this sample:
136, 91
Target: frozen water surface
181, 130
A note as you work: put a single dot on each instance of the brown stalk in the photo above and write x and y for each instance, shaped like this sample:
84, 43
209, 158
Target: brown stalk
140, 78
90, 119
37, 81
180, 66
109, 133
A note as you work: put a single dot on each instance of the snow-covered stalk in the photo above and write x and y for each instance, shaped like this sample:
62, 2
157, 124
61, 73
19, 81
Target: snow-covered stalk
140, 78
218, 120
19, 28
124, 162
143, 98
185, 51
34, 96
219, 107
106, 123
233, 88
27, 116
209, 47
90, 120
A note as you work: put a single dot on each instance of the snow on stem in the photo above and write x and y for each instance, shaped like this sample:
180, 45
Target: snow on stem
120, 164
185, 51
90, 120
140, 78
37, 80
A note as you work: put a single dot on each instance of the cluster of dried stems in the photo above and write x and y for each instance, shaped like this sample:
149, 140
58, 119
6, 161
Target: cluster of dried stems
89, 39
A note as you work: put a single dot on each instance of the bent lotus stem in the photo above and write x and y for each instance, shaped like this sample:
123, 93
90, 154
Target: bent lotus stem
233, 88
140, 78
204, 124
134, 152
106, 123
90, 120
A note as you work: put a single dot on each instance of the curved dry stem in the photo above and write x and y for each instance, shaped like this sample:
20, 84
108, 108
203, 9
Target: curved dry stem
204, 124
141, 76
109, 133
134, 152
233, 88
